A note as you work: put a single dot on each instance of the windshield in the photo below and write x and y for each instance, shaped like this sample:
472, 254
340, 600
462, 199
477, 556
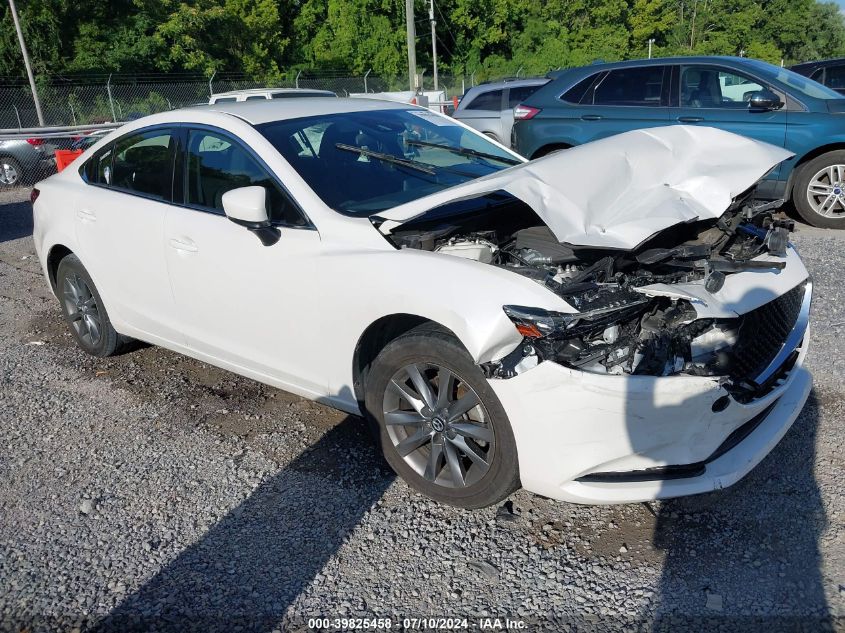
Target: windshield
364, 162
798, 82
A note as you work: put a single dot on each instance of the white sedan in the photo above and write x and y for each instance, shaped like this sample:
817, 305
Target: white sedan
617, 322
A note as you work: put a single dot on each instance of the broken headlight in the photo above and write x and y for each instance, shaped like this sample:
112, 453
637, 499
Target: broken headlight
617, 331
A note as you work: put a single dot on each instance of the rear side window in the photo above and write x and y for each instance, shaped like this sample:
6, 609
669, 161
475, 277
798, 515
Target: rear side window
835, 77
629, 87
98, 168
217, 163
491, 100
521, 93
576, 93
226, 100
255, 98
143, 163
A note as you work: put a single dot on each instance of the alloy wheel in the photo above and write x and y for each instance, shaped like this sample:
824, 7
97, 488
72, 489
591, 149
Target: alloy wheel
82, 309
438, 425
8, 173
826, 191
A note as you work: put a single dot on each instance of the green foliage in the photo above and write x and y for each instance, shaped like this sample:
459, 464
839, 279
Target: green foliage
269, 39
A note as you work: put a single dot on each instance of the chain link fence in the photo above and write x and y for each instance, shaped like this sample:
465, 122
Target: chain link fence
27, 155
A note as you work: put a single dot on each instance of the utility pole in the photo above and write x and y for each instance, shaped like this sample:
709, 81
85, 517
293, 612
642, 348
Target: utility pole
25, 54
412, 51
433, 40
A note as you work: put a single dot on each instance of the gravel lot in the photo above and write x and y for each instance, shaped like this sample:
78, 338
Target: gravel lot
154, 492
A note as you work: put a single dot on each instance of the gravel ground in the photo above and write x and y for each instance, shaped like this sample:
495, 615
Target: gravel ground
154, 492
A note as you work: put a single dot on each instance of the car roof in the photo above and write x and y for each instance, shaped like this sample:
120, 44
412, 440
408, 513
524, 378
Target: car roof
266, 111
820, 63
253, 91
655, 61
509, 83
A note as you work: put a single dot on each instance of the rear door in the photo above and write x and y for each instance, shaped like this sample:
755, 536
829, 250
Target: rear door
120, 229
621, 100
718, 96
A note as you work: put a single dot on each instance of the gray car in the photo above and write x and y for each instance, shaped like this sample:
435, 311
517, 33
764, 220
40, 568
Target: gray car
25, 160
489, 107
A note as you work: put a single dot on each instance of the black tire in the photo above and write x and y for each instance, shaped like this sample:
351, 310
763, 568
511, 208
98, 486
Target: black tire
72, 273
803, 178
427, 344
14, 167
548, 149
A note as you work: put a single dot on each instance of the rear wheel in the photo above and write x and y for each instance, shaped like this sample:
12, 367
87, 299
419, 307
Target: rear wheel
819, 191
440, 425
11, 172
84, 311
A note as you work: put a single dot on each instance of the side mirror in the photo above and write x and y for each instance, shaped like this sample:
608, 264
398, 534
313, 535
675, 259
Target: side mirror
764, 100
247, 207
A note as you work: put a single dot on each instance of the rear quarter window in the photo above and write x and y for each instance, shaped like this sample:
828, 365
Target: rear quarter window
491, 100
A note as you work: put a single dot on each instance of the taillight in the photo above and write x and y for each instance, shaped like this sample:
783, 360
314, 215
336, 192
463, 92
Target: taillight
524, 112
35, 141
33, 195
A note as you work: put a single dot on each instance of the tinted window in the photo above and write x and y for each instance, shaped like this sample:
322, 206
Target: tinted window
519, 94
290, 95
217, 164
255, 97
143, 163
708, 87
816, 75
630, 87
491, 100
577, 92
226, 100
98, 168
835, 77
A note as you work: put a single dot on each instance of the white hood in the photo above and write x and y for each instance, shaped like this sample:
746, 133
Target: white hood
619, 191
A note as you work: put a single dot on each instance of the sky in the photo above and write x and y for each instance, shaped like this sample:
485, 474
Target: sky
841, 4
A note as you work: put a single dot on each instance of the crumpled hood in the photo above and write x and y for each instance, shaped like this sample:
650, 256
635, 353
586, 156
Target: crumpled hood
619, 191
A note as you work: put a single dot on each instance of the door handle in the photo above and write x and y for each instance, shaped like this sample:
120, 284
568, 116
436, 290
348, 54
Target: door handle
85, 214
186, 245
690, 119
591, 117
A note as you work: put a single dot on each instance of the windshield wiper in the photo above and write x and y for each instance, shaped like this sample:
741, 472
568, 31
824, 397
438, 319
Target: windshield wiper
465, 151
387, 158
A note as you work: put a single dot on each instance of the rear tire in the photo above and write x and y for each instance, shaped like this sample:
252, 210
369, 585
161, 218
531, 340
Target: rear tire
84, 312
11, 172
819, 190
452, 443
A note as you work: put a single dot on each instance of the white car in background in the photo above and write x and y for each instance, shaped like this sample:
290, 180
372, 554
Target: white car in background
618, 322
261, 94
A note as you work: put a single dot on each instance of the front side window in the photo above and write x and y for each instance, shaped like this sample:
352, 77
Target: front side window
215, 164
709, 87
360, 163
98, 168
491, 100
143, 163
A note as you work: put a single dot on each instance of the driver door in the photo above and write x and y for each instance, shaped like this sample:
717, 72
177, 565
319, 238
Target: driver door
242, 304
718, 97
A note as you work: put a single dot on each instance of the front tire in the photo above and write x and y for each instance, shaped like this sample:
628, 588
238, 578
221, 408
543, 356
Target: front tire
84, 311
819, 191
440, 425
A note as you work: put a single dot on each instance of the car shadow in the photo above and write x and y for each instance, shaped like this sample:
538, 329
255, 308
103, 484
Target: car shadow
748, 557
250, 567
15, 221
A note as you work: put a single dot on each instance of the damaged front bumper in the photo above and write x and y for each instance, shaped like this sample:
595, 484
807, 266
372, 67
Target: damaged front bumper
590, 438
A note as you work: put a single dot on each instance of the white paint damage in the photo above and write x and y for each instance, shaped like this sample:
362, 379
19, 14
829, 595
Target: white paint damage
619, 191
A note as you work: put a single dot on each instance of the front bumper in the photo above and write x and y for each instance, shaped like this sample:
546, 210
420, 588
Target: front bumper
569, 424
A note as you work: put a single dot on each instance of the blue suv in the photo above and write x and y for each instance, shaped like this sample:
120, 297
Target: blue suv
740, 95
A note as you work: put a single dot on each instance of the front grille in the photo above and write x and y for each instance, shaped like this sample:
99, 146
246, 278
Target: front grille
763, 332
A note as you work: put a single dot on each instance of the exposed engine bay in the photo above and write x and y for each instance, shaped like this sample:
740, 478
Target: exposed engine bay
619, 328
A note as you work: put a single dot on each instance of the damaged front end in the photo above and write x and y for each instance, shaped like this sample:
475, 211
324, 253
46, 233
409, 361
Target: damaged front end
622, 323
